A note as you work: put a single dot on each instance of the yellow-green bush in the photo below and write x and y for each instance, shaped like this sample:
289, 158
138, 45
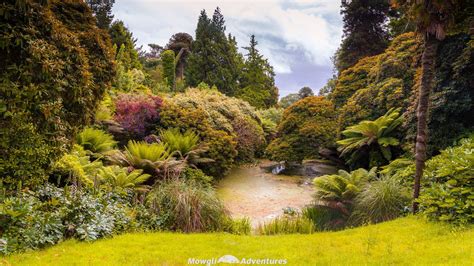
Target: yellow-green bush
56, 65
229, 127
306, 126
376, 84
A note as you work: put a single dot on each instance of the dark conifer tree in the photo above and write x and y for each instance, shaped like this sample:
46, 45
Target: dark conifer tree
365, 31
258, 79
214, 59
120, 35
102, 10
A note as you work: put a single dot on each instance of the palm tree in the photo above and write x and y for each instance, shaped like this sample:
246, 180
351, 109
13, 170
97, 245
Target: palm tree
371, 139
433, 19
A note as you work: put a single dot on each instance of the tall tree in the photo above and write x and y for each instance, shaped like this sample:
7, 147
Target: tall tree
120, 35
180, 44
305, 92
433, 19
168, 63
364, 31
258, 79
213, 59
102, 10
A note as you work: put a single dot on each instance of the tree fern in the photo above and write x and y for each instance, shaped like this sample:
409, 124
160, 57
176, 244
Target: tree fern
95, 140
371, 139
185, 146
339, 190
120, 177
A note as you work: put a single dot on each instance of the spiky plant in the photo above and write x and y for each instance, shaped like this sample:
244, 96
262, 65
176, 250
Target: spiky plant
338, 191
187, 206
371, 139
119, 177
185, 145
154, 159
381, 200
179, 142
96, 141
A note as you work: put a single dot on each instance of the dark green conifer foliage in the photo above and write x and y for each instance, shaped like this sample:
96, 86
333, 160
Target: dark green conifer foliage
168, 63
365, 32
214, 59
120, 35
257, 81
102, 10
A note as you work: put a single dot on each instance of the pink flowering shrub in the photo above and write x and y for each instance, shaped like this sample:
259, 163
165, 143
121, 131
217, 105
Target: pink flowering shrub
137, 113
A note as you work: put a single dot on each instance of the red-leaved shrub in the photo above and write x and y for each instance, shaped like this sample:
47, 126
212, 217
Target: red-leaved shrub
137, 113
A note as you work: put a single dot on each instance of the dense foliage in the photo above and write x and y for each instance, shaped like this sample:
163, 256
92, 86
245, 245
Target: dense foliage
168, 62
306, 126
257, 81
448, 193
376, 84
56, 65
36, 219
229, 127
137, 113
215, 60
212, 59
356, 198
364, 29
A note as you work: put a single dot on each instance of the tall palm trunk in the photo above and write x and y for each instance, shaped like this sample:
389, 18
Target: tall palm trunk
428, 61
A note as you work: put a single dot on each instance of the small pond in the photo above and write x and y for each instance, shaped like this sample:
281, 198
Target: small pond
250, 192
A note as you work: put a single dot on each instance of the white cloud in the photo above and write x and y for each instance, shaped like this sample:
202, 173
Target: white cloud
281, 27
291, 33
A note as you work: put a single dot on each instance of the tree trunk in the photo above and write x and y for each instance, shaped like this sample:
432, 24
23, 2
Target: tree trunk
428, 61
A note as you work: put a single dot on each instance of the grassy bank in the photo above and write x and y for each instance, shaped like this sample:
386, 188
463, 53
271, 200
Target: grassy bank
403, 241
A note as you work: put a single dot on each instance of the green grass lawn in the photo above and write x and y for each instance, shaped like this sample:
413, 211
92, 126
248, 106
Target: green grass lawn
404, 241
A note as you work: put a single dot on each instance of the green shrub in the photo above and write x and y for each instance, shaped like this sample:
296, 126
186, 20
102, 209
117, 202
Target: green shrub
287, 224
220, 113
381, 200
77, 167
186, 206
306, 126
240, 226
196, 175
36, 219
56, 66
273, 114
325, 218
25, 154
448, 188
95, 141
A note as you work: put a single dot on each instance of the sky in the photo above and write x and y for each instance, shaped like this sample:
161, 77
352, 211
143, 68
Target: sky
297, 36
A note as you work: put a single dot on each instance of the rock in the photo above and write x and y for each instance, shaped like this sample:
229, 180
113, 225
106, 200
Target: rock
314, 168
269, 166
